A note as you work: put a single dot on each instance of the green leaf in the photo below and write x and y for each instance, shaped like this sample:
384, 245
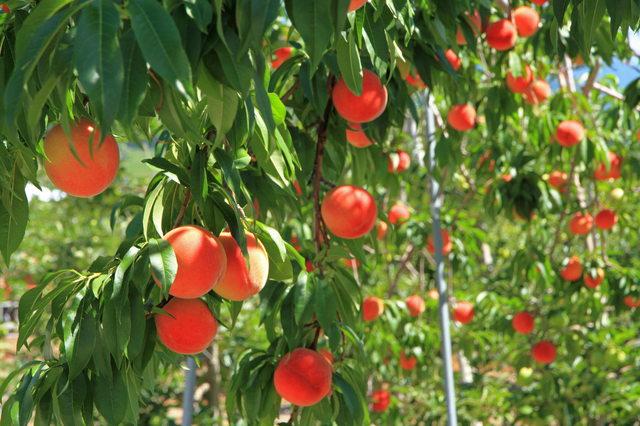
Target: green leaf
71, 394
350, 396
304, 299
375, 39
313, 22
160, 43
200, 11
13, 223
99, 59
559, 9
339, 10
199, 185
349, 63
163, 263
288, 321
80, 336
33, 23
111, 397
617, 9
278, 109
325, 305
225, 66
136, 78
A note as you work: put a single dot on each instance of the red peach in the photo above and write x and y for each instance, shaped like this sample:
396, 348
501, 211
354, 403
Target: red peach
462, 117
372, 308
356, 4
463, 312
539, 2
559, 180
282, 55
591, 282
433, 294
192, 328
308, 265
327, 355
539, 92
399, 213
381, 400
544, 352
416, 82
456, 62
303, 377
404, 161
475, 26
415, 304
520, 84
523, 322
606, 219
581, 225
446, 243
502, 35
5, 8
366, 107
357, 137
569, 133
408, 363
573, 270
349, 211
614, 171
349, 263
527, 21
630, 303
381, 230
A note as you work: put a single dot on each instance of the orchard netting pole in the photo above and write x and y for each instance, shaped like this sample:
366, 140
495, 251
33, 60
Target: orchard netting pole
189, 389
443, 303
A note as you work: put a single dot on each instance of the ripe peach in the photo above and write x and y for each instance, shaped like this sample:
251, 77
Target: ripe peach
381, 400
630, 303
463, 312
456, 63
5, 8
527, 21
357, 137
415, 304
303, 377
366, 107
522, 322
404, 161
381, 230
308, 265
294, 242
462, 117
581, 225
99, 164
476, 22
372, 308
606, 219
349, 211
573, 270
569, 133
192, 328
239, 283
520, 84
297, 186
614, 170
327, 355
407, 363
202, 261
416, 82
539, 2
399, 213
282, 55
350, 262
544, 352
356, 4
446, 243
502, 35
559, 180
539, 92
591, 282
433, 294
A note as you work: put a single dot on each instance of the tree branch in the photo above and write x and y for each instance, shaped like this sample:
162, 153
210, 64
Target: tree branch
291, 91
182, 209
592, 78
403, 264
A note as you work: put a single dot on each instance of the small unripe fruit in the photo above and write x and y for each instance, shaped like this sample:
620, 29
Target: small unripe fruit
559, 320
415, 304
404, 161
525, 376
447, 245
591, 282
381, 400
569, 133
523, 322
356, 4
240, 283
282, 55
192, 328
539, 92
381, 230
615, 357
357, 137
408, 363
456, 63
372, 308
573, 270
349, 211
399, 213
544, 352
527, 21
462, 117
201, 259
99, 163
502, 35
303, 377
606, 219
366, 107
581, 224
559, 181
463, 312
520, 84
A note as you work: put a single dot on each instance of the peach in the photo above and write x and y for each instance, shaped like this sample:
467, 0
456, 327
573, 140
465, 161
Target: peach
381, 230
327, 355
404, 161
522, 322
569, 133
202, 261
294, 242
192, 328
408, 363
297, 187
5, 8
282, 55
308, 265
544, 352
349, 211
366, 107
462, 117
506, 177
433, 294
539, 2
605, 219
415, 304
527, 21
475, 19
349, 263
357, 137
463, 312
416, 82
240, 283
581, 224
372, 308
502, 35
399, 213
520, 84
614, 171
573, 270
630, 303
539, 92
559, 181
446, 243
456, 63
99, 164
303, 377
356, 4
381, 400
591, 282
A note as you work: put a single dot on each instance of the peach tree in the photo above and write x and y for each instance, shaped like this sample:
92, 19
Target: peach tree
258, 113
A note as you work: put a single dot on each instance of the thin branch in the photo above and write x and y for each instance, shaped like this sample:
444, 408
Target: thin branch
403, 264
182, 209
291, 91
610, 92
294, 412
592, 78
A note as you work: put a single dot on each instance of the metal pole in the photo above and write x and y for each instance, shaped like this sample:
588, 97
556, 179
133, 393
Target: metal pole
189, 388
443, 303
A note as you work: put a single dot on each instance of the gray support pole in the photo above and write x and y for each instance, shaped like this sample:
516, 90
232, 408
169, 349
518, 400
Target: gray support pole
189, 389
443, 303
